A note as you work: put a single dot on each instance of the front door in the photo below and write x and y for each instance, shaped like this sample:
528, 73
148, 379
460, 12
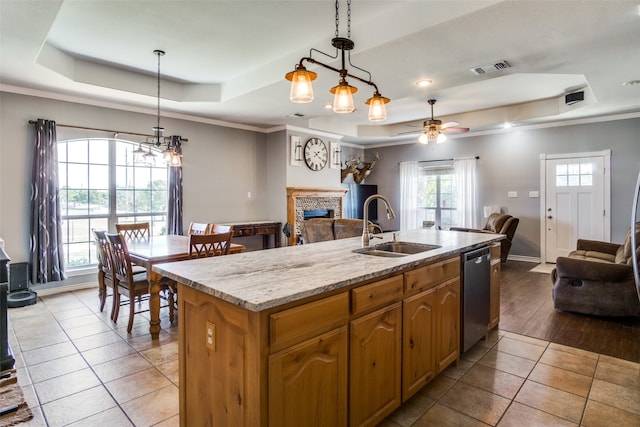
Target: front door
574, 203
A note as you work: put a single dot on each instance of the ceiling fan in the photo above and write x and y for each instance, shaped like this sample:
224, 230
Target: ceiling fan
434, 131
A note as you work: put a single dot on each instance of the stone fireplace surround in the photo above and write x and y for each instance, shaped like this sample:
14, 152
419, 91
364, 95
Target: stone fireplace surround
300, 199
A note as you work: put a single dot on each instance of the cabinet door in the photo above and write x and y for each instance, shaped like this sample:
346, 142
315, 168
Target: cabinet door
375, 358
448, 323
418, 329
495, 294
317, 368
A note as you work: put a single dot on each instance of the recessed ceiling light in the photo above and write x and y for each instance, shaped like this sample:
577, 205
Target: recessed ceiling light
424, 83
631, 83
328, 106
506, 125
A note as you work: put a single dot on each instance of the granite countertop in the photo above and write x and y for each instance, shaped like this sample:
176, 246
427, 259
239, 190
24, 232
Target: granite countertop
265, 279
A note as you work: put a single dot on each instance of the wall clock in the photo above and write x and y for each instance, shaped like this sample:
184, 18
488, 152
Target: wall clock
315, 154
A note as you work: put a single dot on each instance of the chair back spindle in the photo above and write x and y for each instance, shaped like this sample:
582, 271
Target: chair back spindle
208, 245
136, 231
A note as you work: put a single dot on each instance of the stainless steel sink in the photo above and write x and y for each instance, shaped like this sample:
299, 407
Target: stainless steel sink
396, 249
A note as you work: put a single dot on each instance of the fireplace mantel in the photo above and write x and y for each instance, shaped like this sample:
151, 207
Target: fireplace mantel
326, 198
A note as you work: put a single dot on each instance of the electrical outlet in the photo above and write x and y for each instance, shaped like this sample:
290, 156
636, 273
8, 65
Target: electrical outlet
512, 194
534, 194
211, 336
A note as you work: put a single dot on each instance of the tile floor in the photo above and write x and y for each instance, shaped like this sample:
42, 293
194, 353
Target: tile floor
78, 368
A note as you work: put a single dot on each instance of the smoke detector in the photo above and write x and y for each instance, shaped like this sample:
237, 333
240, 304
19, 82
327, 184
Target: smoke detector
490, 68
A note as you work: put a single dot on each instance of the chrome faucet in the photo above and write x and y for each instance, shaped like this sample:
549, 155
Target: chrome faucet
365, 216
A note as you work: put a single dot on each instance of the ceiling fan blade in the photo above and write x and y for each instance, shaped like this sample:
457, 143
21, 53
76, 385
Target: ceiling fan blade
455, 130
450, 124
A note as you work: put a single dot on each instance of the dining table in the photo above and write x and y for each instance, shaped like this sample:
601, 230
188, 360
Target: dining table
161, 249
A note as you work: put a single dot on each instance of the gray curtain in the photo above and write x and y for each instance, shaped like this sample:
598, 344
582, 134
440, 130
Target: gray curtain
47, 261
174, 215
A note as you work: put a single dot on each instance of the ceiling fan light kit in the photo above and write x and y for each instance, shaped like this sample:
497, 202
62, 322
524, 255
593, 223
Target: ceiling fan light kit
432, 129
301, 78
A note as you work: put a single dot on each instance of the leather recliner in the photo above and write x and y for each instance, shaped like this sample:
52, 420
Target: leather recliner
498, 223
597, 279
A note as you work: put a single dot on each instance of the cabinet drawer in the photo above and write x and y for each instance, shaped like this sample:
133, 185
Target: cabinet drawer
265, 230
495, 251
242, 231
424, 277
376, 294
299, 323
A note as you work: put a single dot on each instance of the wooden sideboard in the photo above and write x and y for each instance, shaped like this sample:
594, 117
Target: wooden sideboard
258, 228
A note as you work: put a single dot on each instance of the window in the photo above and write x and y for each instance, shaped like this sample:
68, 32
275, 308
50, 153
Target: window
437, 197
574, 175
101, 186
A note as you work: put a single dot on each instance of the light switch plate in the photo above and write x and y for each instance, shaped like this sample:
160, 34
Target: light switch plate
534, 194
512, 194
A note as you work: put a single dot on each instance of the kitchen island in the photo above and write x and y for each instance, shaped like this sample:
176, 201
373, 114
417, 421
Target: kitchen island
317, 334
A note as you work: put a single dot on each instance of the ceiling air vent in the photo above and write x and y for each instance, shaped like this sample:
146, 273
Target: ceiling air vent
484, 69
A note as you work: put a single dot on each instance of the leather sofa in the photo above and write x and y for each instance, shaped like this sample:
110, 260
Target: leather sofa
322, 229
498, 223
597, 278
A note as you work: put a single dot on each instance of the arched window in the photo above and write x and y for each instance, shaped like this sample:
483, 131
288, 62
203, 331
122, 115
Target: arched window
101, 185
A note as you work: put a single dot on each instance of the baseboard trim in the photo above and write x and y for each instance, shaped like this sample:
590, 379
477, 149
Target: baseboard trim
64, 288
524, 258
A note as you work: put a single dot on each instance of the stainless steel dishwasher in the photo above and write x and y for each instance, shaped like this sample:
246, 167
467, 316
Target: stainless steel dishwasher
476, 292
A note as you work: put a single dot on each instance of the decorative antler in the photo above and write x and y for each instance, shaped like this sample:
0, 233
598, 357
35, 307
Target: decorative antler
363, 171
351, 166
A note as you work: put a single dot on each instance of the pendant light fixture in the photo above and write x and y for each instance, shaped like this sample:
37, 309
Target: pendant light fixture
301, 78
172, 155
157, 130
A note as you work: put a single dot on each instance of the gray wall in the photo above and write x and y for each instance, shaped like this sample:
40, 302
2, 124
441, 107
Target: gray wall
221, 165
510, 161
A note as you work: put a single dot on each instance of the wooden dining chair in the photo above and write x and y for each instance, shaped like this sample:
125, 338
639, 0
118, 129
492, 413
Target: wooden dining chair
217, 228
135, 231
207, 245
199, 228
128, 284
105, 268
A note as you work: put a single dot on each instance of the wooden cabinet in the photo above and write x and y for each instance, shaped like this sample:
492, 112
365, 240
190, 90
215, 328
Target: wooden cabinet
218, 380
418, 342
495, 287
431, 323
447, 324
315, 367
349, 358
375, 365
309, 382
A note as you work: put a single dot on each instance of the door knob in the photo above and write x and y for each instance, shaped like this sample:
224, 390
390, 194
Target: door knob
549, 217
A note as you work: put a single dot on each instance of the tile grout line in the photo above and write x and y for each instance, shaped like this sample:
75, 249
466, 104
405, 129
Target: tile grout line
90, 366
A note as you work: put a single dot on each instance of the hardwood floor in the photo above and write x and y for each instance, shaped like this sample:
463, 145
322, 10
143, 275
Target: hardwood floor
527, 309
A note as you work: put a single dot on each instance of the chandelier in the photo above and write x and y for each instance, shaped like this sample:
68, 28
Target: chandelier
301, 78
172, 154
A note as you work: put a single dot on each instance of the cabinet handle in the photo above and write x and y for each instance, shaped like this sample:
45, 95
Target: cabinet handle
410, 343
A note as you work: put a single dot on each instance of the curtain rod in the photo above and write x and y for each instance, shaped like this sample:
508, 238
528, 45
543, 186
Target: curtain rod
33, 122
446, 160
